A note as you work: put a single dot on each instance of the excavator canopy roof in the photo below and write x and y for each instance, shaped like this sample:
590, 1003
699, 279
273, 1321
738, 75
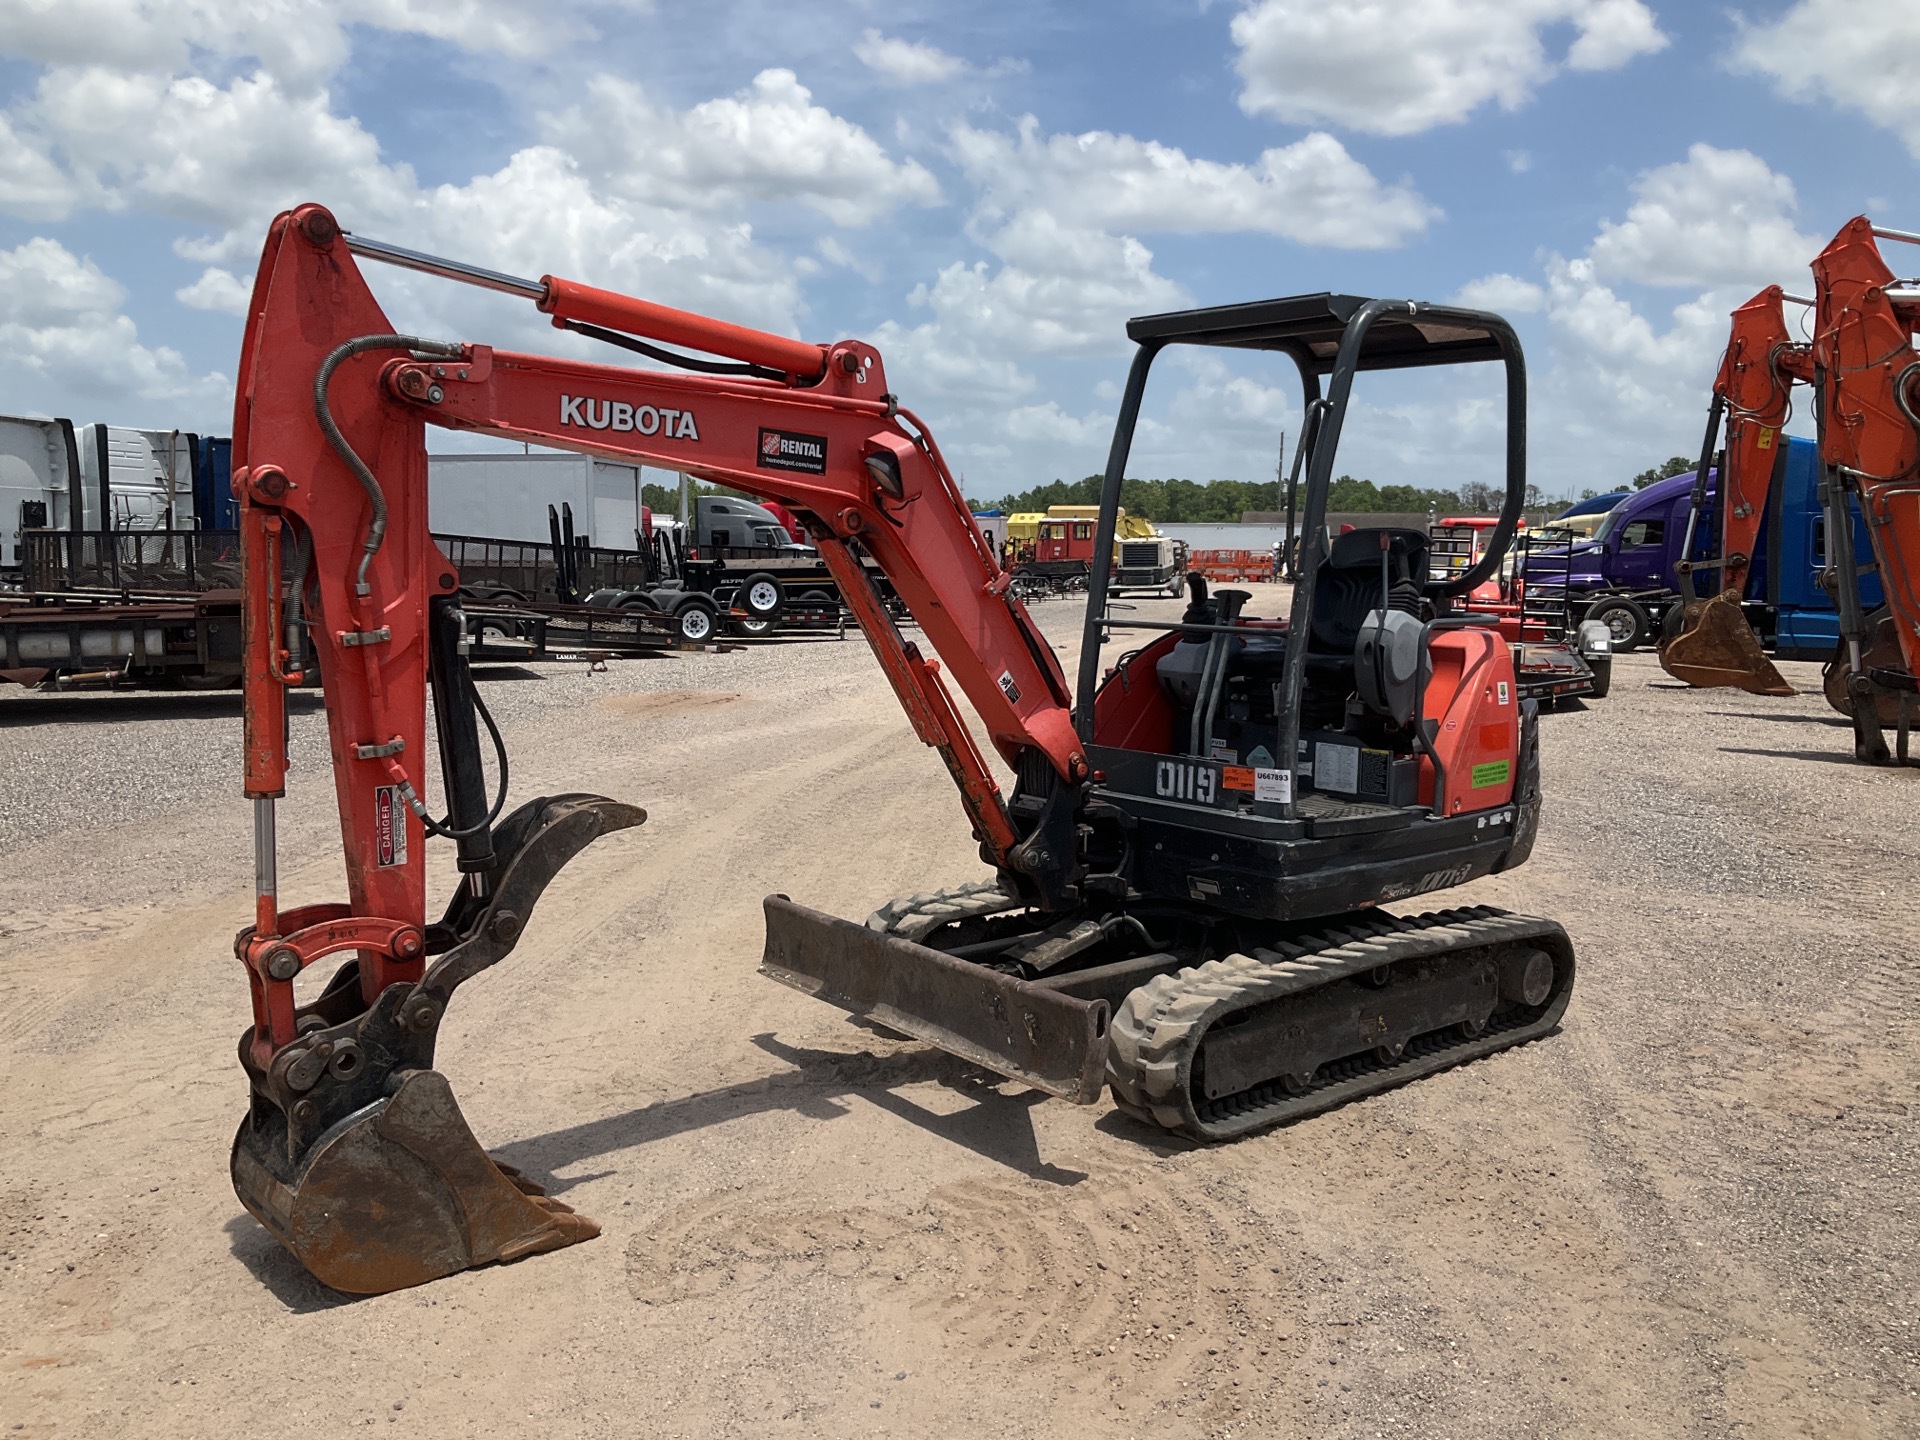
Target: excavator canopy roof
1309, 327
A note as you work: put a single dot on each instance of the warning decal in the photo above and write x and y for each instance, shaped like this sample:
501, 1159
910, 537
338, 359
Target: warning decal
1494, 773
390, 826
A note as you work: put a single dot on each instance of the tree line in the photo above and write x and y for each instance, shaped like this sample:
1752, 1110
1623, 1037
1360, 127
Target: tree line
1188, 502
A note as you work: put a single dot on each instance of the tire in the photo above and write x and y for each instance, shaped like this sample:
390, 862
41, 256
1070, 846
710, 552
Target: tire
1602, 668
1626, 620
753, 629
697, 620
761, 597
636, 600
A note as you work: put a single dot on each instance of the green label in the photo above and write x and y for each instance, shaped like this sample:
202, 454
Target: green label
1494, 774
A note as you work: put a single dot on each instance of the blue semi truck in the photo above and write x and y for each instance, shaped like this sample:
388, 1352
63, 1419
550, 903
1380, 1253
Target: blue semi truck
1624, 576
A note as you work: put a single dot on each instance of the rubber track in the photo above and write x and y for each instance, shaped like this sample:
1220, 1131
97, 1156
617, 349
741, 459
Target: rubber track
1157, 1032
914, 917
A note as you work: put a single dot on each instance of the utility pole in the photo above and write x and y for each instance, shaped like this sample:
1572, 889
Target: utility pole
1280, 476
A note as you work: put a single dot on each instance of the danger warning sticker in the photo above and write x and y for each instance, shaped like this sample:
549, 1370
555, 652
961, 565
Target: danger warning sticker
390, 826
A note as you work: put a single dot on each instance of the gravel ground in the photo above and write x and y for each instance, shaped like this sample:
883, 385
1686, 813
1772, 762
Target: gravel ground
1689, 1213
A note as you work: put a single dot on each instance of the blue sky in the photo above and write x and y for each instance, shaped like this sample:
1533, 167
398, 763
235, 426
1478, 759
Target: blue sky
984, 191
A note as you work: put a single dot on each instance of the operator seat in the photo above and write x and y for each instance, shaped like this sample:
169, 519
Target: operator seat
1347, 588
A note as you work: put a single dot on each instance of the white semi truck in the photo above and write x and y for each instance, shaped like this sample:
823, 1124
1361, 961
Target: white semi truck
56, 476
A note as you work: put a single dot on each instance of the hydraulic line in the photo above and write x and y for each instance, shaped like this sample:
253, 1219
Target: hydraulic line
377, 527
443, 828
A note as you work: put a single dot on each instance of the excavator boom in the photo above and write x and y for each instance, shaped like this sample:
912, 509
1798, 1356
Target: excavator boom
1867, 395
330, 468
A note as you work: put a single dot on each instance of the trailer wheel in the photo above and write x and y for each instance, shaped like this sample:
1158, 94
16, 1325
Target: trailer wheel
1626, 621
697, 620
760, 596
752, 628
1602, 667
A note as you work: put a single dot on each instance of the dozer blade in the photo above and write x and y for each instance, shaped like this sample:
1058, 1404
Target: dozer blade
1037, 1036
401, 1193
1716, 647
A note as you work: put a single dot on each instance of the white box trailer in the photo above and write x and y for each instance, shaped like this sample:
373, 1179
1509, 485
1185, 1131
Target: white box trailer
505, 497
40, 480
136, 479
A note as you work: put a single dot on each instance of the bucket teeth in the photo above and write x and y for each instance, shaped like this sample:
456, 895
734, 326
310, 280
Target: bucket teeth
1716, 647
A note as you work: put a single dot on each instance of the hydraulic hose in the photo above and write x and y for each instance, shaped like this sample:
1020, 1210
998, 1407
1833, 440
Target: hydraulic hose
377, 527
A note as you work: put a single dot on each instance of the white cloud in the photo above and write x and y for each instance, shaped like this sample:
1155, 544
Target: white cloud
297, 41
63, 335
906, 62
1858, 54
216, 289
1063, 216
1628, 387
1720, 217
1612, 33
667, 219
1501, 293
770, 142
830, 249
217, 155
31, 185
1311, 191
1397, 67
1063, 292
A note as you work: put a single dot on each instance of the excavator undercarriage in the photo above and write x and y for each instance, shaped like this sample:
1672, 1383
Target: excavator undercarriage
1190, 864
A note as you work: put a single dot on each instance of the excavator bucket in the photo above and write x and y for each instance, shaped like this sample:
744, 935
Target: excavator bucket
354, 1153
401, 1193
1716, 647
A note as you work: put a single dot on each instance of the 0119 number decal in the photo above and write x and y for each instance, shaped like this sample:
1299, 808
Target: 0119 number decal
1178, 780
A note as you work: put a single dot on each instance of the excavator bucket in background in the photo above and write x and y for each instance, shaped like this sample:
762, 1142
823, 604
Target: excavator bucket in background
1716, 647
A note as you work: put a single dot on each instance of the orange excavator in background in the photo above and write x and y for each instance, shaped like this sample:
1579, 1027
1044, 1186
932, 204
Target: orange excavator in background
1713, 644
1866, 377
1189, 864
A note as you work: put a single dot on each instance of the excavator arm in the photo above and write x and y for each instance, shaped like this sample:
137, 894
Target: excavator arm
1753, 396
349, 1123
1867, 386
1757, 374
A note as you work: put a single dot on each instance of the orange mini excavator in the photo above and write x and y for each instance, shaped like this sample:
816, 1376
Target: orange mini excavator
1188, 867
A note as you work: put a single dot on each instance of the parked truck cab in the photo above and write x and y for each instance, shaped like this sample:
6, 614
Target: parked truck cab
1625, 576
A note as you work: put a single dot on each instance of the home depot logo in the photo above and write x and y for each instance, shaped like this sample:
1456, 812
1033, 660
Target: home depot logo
590, 414
791, 450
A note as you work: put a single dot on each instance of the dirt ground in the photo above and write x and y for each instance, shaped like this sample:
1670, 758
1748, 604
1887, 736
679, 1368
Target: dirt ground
1691, 1212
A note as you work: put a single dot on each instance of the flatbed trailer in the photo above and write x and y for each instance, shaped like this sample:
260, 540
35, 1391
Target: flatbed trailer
157, 609
146, 640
